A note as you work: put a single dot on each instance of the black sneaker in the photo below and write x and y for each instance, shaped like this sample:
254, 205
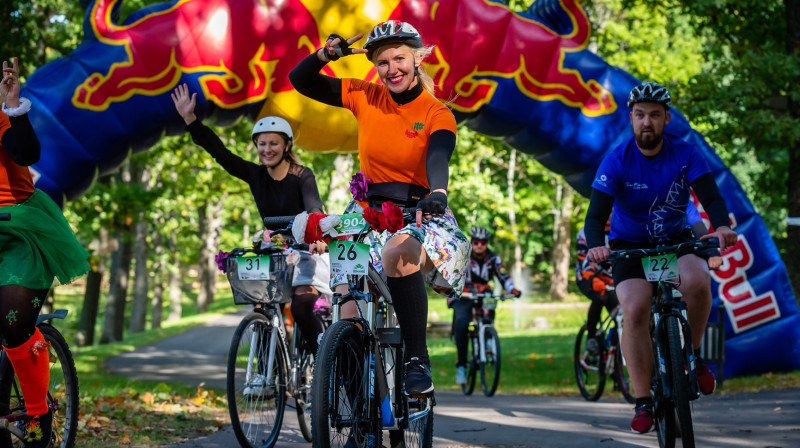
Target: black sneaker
418, 377
38, 430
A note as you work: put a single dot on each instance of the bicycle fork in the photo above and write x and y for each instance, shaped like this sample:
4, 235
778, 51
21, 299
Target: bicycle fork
676, 311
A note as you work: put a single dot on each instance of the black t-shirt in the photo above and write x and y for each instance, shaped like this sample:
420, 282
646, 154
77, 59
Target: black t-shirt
295, 193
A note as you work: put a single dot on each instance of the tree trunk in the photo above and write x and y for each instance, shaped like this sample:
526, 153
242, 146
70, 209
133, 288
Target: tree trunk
210, 227
561, 241
246, 227
174, 280
140, 289
793, 183
102, 247
516, 266
157, 302
339, 193
114, 319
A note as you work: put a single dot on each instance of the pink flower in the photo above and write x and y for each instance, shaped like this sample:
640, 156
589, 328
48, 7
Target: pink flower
358, 186
220, 259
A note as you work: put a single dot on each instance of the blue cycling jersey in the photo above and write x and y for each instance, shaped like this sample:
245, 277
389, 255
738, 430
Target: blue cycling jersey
650, 194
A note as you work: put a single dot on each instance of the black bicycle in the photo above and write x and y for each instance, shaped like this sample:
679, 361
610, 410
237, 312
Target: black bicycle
592, 369
264, 366
674, 382
359, 374
484, 343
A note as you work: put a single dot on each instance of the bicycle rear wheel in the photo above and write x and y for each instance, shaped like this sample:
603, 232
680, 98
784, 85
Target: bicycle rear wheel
256, 388
304, 377
589, 369
419, 433
490, 370
473, 353
621, 377
62, 394
340, 415
680, 380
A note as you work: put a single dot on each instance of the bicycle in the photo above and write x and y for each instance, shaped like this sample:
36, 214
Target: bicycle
360, 369
263, 369
484, 343
591, 370
674, 382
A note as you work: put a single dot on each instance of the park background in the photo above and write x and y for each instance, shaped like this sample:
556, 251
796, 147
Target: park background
154, 225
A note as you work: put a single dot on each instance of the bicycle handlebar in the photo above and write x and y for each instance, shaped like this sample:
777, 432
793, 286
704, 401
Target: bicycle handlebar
486, 295
278, 223
710, 243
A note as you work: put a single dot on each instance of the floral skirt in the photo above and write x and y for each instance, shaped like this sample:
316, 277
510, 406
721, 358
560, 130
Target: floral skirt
37, 245
446, 245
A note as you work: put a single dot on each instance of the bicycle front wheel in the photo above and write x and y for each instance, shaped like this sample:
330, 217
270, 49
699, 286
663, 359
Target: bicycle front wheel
256, 383
490, 370
341, 415
680, 380
419, 433
589, 369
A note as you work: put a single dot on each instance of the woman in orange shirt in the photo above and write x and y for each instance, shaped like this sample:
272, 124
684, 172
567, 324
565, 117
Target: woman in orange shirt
405, 140
38, 246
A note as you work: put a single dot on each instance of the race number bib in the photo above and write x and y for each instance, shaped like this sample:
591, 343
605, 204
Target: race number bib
253, 268
352, 224
661, 267
348, 257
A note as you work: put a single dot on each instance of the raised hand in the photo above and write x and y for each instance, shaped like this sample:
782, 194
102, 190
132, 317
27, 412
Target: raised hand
336, 46
9, 86
185, 102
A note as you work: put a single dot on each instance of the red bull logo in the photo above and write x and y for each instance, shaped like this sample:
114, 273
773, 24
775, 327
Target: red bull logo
477, 42
243, 50
745, 308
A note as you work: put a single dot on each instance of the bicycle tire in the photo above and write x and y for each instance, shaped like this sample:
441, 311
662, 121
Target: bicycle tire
622, 378
490, 370
256, 408
303, 385
680, 381
473, 364
419, 433
339, 395
589, 373
663, 408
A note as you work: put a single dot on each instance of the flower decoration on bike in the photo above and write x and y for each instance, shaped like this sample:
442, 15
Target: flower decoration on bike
390, 218
220, 259
359, 185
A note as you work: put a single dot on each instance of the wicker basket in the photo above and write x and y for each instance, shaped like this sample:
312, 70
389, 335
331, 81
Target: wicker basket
278, 289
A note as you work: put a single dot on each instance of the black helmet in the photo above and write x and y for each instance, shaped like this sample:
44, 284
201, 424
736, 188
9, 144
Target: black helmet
650, 92
479, 233
392, 31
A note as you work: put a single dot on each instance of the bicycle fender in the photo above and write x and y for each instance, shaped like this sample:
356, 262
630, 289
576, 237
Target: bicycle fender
57, 314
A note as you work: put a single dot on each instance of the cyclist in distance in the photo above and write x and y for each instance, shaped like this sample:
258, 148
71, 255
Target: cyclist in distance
482, 267
647, 180
38, 247
595, 283
281, 186
405, 140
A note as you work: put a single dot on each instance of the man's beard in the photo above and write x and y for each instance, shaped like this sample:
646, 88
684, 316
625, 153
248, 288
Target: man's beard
651, 141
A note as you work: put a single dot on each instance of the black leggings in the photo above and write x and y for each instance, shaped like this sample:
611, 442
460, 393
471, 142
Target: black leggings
19, 309
303, 314
608, 300
462, 315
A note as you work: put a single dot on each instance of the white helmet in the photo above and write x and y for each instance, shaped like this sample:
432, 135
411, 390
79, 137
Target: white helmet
273, 124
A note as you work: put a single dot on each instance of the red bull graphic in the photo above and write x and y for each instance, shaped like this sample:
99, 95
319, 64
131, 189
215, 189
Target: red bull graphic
248, 49
525, 76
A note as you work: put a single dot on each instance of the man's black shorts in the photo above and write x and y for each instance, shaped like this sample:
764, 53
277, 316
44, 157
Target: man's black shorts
626, 268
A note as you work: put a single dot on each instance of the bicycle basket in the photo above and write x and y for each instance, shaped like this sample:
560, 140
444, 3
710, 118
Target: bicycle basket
276, 289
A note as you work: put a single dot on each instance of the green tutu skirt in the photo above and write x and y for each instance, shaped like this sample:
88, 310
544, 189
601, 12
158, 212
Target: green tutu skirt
37, 245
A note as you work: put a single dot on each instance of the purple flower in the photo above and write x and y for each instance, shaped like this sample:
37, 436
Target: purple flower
220, 259
359, 185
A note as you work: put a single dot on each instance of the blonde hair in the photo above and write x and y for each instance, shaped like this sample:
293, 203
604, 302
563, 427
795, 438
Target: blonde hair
419, 53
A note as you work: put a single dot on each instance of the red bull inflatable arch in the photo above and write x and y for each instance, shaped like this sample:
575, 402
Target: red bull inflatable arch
524, 76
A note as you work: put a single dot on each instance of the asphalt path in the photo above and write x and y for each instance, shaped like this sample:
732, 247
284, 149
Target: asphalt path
764, 420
